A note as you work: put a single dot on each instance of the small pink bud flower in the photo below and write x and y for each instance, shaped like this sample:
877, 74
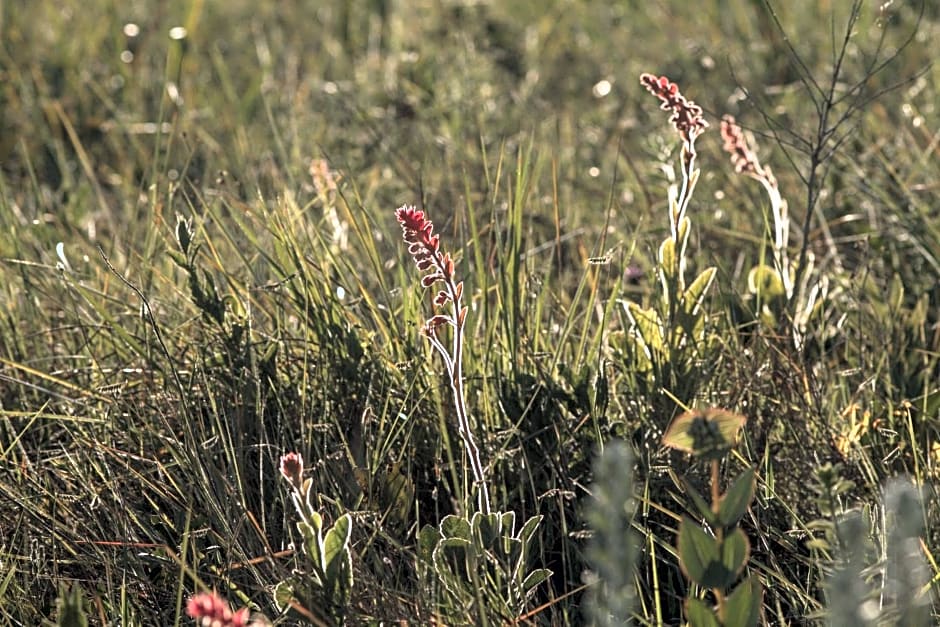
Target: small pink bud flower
210, 610
292, 467
686, 115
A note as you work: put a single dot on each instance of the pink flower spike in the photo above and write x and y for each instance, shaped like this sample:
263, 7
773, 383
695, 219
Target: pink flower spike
209, 609
292, 467
686, 115
424, 245
744, 159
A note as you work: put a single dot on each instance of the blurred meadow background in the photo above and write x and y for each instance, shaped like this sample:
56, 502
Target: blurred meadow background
148, 387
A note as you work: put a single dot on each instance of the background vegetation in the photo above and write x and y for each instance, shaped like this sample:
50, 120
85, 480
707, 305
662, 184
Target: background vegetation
147, 393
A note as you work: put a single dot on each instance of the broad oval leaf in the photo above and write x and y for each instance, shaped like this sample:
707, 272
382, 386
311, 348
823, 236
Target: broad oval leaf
667, 258
649, 326
737, 499
283, 594
428, 538
708, 562
455, 527
735, 551
697, 551
487, 528
742, 606
693, 295
765, 282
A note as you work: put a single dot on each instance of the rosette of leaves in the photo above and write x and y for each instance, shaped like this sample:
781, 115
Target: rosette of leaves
482, 565
714, 561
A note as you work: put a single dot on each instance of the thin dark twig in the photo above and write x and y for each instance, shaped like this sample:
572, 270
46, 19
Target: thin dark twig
806, 77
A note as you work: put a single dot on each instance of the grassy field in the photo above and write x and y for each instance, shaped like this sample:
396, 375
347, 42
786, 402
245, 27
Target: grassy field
201, 271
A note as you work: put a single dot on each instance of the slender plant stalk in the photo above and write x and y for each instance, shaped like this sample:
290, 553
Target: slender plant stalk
424, 247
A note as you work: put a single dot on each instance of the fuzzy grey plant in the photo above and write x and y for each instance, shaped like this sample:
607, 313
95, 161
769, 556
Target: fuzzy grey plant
903, 597
612, 551
906, 588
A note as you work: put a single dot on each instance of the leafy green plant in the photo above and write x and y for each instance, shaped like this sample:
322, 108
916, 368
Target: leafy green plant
715, 560
480, 560
772, 286
483, 564
668, 336
325, 586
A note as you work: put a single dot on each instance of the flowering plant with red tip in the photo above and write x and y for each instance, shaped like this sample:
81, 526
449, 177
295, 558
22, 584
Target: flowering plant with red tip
673, 332
424, 248
326, 580
687, 119
745, 161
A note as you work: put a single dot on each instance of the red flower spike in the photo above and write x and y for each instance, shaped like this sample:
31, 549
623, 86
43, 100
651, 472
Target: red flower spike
686, 115
423, 245
441, 298
211, 609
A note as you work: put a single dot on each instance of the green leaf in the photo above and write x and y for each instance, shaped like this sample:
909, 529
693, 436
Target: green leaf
311, 543
685, 226
450, 563
667, 258
693, 295
735, 551
455, 527
337, 539
649, 326
699, 614
339, 576
708, 433
428, 538
525, 534
283, 594
706, 561
742, 606
534, 578
179, 259
765, 282
487, 527
737, 499
697, 551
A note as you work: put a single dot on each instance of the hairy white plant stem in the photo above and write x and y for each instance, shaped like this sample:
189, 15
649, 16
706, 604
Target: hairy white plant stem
453, 360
